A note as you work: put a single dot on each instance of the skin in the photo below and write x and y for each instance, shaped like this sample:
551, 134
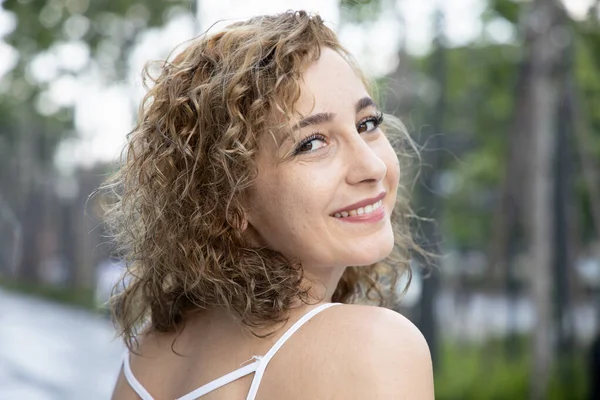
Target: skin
345, 352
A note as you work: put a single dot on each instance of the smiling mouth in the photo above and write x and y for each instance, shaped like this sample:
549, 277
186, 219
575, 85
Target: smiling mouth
368, 209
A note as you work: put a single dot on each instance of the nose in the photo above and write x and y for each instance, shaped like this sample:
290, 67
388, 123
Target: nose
364, 164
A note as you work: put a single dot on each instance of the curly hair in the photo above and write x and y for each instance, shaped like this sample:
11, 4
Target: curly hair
176, 202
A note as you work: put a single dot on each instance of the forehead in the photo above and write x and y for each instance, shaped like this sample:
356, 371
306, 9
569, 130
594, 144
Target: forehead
329, 84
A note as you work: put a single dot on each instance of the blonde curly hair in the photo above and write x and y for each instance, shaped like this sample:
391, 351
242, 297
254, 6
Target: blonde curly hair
176, 202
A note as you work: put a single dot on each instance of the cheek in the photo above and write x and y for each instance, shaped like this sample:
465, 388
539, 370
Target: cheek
285, 218
283, 202
390, 158
394, 167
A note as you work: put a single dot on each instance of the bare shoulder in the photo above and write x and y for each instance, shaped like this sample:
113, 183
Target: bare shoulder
122, 390
149, 345
379, 354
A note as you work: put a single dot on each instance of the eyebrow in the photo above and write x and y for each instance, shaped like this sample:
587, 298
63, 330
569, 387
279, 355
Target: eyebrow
315, 119
321, 118
364, 103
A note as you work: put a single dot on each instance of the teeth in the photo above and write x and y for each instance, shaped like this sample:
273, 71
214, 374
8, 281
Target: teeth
360, 211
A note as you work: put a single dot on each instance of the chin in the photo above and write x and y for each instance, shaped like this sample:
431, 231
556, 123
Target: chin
377, 252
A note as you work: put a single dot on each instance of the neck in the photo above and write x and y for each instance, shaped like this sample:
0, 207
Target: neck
322, 282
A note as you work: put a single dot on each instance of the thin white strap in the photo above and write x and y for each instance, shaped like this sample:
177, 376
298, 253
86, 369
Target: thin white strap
224, 380
193, 395
267, 357
133, 382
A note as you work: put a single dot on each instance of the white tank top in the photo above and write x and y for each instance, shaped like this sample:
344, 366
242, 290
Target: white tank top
258, 366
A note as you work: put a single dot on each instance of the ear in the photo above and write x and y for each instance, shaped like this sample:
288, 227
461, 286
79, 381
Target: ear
247, 214
251, 234
241, 223
244, 225
247, 227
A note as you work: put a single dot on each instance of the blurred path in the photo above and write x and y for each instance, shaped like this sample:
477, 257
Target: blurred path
53, 352
478, 317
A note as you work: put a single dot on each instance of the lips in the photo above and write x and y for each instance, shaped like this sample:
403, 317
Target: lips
361, 204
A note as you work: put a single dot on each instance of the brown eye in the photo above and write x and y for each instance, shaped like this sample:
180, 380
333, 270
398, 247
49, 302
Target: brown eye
306, 147
369, 124
366, 126
312, 143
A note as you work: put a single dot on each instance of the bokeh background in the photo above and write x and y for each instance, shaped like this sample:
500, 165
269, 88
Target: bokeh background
502, 96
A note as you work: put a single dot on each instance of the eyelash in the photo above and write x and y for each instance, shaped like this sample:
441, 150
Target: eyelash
376, 119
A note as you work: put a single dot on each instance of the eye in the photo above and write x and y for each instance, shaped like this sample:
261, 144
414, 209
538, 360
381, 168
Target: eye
369, 124
310, 144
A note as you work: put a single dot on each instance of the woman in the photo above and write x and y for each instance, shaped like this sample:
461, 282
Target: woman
256, 196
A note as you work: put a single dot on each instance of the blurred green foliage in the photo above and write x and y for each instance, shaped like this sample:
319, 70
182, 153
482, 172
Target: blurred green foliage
361, 11
484, 372
78, 297
508, 9
41, 23
109, 30
480, 102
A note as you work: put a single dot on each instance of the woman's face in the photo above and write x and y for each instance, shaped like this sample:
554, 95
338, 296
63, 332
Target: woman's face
326, 197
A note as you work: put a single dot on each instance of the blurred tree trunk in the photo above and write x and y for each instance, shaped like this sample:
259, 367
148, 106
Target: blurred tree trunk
589, 165
544, 29
428, 195
28, 195
508, 235
88, 255
10, 238
564, 259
